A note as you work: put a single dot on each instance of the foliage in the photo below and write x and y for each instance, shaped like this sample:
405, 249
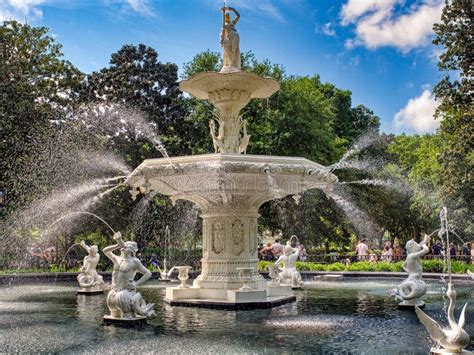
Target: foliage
455, 93
37, 89
436, 266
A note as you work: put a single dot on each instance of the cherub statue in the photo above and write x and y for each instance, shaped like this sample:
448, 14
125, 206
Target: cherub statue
413, 288
88, 278
289, 275
244, 139
230, 41
124, 301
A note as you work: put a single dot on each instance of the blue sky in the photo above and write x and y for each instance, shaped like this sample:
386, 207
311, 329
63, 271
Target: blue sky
378, 49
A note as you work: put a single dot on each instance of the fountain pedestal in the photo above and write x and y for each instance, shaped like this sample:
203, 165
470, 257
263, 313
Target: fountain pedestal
229, 189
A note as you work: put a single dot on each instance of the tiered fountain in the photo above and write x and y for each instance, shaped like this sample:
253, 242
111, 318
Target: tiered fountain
229, 187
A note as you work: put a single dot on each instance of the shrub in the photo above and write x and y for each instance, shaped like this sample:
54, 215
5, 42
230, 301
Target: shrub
361, 266
384, 266
336, 267
306, 266
433, 265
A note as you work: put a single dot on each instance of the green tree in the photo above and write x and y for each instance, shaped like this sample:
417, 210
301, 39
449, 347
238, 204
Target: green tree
37, 89
455, 93
136, 80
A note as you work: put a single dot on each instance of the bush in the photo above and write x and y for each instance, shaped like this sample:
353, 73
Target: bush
361, 266
306, 266
433, 265
335, 267
383, 266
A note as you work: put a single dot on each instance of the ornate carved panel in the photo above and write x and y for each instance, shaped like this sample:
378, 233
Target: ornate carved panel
217, 238
252, 236
238, 242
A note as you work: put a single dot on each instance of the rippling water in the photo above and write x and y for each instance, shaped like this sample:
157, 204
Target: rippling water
353, 316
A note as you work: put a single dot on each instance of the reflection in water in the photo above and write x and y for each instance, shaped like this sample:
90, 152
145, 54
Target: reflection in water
347, 316
91, 308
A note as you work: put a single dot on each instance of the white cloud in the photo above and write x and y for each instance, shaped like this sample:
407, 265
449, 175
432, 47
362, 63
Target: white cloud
328, 30
20, 10
142, 7
325, 29
418, 114
378, 24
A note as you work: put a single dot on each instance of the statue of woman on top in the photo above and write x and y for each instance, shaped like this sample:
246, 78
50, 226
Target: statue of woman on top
230, 41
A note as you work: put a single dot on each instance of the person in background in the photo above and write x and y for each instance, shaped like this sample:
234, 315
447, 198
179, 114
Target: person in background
259, 249
397, 252
373, 258
387, 254
267, 252
154, 261
362, 250
437, 248
277, 249
452, 251
303, 254
466, 251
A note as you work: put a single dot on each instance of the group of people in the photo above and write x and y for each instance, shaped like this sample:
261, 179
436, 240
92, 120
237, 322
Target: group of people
271, 252
389, 253
396, 252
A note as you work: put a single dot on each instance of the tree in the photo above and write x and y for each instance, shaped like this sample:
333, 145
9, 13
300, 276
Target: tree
37, 88
455, 33
138, 81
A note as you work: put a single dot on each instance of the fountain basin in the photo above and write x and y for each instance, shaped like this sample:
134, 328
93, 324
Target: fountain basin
214, 86
217, 178
229, 189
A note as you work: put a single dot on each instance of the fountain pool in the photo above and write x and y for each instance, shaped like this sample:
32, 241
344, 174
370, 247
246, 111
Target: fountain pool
344, 316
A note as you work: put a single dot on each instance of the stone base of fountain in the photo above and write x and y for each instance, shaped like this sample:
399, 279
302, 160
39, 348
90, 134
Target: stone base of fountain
410, 304
435, 351
95, 290
136, 322
271, 296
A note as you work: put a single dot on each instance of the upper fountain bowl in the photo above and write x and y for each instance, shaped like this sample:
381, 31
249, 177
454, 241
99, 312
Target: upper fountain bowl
218, 179
206, 85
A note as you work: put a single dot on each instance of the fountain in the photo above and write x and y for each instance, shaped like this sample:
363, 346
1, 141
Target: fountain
229, 187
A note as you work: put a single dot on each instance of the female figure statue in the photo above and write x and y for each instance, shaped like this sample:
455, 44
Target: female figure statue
230, 41
124, 301
89, 280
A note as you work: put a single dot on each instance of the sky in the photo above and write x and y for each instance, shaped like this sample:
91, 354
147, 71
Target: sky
380, 50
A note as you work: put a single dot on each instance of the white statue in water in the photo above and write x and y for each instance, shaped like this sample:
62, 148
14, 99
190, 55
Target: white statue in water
288, 275
453, 338
124, 301
230, 41
88, 278
413, 288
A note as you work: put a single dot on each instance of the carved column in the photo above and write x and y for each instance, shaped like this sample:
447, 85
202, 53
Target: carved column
229, 241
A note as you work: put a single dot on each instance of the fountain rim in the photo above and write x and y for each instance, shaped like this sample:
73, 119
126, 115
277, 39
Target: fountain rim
258, 86
232, 158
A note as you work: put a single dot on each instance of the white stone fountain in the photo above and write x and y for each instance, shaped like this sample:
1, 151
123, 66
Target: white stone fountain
229, 188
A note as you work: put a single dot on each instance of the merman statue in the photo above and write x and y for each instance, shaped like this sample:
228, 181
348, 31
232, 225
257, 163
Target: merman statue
124, 301
288, 274
410, 291
89, 280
